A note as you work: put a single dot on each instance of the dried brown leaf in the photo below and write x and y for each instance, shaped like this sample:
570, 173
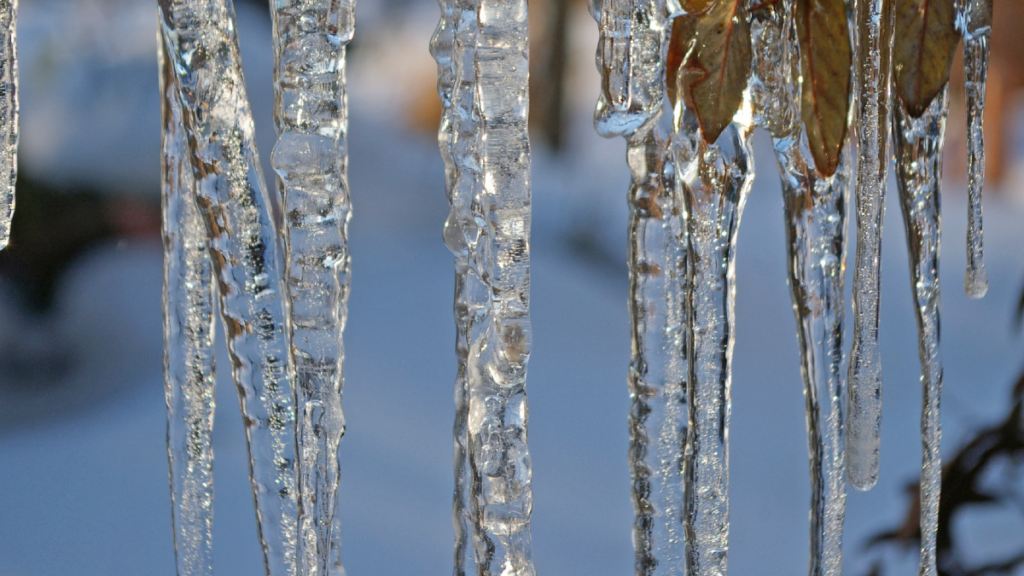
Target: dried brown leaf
695, 6
709, 64
826, 59
926, 40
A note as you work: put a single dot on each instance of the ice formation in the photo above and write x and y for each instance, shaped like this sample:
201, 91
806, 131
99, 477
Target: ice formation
977, 28
483, 70
189, 377
310, 158
8, 115
200, 42
872, 41
918, 145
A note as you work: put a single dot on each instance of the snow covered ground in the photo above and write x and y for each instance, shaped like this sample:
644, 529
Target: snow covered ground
84, 490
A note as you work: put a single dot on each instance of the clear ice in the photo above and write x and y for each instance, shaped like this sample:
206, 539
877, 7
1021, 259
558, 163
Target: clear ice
629, 57
977, 28
715, 180
310, 159
874, 22
8, 115
481, 47
200, 41
774, 84
189, 376
918, 144
815, 208
658, 368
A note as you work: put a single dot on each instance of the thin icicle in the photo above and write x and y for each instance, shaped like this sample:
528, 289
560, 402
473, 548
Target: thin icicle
977, 29
715, 181
774, 84
310, 158
199, 36
919, 175
188, 345
453, 120
872, 41
488, 231
658, 369
8, 115
629, 57
816, 209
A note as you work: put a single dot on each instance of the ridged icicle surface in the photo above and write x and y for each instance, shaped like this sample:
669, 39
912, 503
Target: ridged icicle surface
483, 70
199, 37
310, 159
977, 30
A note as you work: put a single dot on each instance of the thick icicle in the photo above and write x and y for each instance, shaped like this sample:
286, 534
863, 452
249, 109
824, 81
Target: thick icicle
816, 245
774, 84
658, 369
310, 158
715, 181
188, 345
919, 175
199, 36
488, 229
977, 18
629, 57
872, 41
8, 115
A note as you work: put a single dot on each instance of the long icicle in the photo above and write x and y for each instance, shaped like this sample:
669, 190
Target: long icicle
919, 176
633, 34
458, 113
658, 370
816, 208
310, 158
488, 229
872, 41
189, 378
8, 115
199, 36
977, 18
716, 179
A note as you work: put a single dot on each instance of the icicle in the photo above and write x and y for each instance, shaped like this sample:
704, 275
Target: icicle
774, 85
919, 175
977, 16
629, 57
715, 181
8, 115
633, 34
188, 346
311, 159
199, 36
442, 47
816, 241
658, 369
872, 41
484, 127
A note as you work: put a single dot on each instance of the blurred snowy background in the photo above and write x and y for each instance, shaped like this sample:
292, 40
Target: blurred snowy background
83, 475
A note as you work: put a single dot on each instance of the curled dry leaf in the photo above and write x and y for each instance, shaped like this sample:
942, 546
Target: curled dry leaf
709, 60
696, 6
926, 40
826, 59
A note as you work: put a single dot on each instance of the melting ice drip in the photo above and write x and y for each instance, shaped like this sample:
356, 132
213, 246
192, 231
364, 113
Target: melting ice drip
483, 69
